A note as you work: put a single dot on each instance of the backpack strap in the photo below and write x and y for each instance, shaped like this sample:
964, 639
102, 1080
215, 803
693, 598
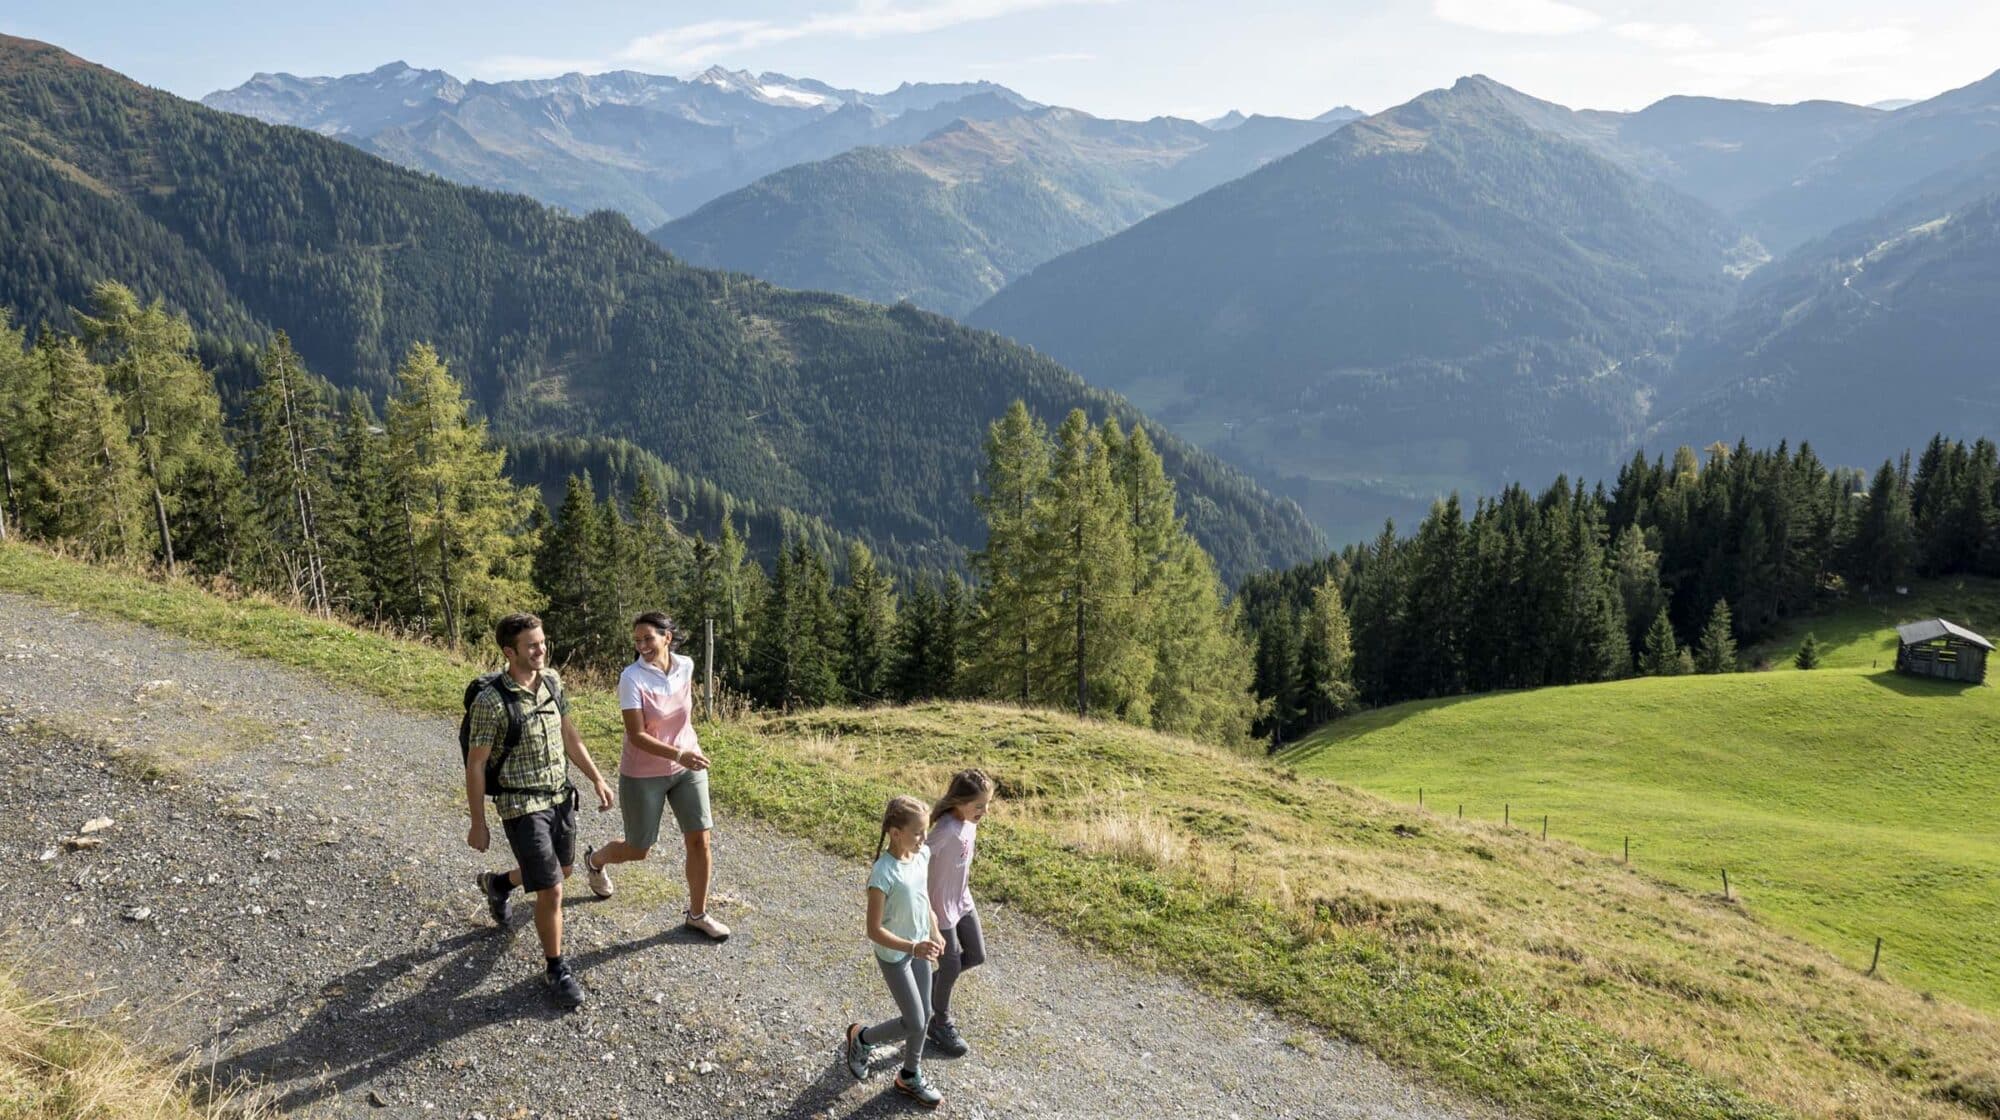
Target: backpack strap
516, 719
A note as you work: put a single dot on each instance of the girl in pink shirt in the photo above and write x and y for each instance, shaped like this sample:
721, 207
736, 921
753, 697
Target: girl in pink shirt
953, 836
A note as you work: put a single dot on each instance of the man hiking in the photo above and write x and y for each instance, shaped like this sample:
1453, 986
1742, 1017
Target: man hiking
662, 766
521, 718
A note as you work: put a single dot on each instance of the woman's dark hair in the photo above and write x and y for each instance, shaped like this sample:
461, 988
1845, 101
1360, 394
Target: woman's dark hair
660, 620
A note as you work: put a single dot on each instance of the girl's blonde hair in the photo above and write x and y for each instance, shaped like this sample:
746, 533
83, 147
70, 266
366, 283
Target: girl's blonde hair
967, 786
904, 811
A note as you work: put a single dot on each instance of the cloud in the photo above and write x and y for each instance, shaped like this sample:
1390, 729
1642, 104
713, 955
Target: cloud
1670, 36
1036, 60
699, 44
512, 67
1517, 17
1810, 54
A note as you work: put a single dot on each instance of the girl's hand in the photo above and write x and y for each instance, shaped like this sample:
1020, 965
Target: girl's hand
926, 950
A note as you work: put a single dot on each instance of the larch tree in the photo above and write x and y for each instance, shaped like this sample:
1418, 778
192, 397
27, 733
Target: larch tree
89, 486
468, 522
170, 405
1010, 571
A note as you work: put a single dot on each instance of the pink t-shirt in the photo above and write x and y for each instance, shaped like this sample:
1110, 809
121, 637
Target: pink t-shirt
951, 843
665, 701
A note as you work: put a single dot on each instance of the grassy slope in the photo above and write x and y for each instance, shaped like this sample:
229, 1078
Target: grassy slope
1847, 804
54, 1066
1541, 976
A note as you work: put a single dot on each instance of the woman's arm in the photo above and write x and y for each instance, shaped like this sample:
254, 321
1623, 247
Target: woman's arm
635, 733
879, 935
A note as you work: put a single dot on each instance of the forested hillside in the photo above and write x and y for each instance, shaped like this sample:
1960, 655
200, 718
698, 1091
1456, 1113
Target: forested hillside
867, 417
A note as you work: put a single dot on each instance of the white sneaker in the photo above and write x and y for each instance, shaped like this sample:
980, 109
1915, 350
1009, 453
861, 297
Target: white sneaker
707, 924
600, 878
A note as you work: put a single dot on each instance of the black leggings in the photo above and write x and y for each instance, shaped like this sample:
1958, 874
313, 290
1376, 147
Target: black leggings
964, 947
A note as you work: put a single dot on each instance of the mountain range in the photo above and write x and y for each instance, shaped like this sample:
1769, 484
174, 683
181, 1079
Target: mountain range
649, 146
1480, 286
948, 221
869, 418
1475, 287
939, 194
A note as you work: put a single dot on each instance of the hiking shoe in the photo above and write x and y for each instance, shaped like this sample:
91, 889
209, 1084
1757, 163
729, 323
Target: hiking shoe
600, 877
498, 894
856, 1052
913, 1086
565, 989
707, 924
948, 1041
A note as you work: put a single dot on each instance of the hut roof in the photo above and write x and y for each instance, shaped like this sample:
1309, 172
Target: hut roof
1929, 629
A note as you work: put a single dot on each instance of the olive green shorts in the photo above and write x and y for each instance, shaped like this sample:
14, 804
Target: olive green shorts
644, 800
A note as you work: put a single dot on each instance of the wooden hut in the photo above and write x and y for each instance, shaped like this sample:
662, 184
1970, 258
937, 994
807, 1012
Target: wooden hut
1936, 648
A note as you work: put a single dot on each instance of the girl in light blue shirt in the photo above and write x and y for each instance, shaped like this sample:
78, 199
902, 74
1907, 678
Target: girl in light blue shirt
907, 942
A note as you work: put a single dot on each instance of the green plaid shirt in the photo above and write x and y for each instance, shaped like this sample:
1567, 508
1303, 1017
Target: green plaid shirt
537, 762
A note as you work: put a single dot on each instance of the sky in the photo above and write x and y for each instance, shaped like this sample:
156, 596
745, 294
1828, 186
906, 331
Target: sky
1114, 58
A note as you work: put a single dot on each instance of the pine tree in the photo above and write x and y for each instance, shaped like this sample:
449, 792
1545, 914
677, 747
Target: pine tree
1326, 660
916, 651
1662, 656
1808, 656
1201, 682
1598, 647
665, 549
867, 608
1277, 673
1636, 566
794, 663
1378, 618
1716, 651
291, 472
88, 483
947, 664
171, 411
1011, 572
23, 393
565, 572
368, 560
1884, 542
1090, 647
467, 520
625, 584
1433, 635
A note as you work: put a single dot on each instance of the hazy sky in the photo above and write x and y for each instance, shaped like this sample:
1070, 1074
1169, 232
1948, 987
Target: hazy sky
1123, 58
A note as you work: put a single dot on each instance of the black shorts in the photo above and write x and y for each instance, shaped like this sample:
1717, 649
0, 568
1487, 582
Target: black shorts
544, 843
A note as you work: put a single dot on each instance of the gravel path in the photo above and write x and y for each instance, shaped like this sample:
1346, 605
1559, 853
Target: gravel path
287, 895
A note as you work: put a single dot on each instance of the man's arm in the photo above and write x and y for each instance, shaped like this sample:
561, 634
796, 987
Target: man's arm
573, 748
480, 736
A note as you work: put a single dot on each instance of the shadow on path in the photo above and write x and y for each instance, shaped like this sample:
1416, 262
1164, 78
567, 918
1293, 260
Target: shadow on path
361, 1030
822, 1096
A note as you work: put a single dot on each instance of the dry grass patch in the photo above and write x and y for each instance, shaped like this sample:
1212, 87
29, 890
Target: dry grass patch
57, 1065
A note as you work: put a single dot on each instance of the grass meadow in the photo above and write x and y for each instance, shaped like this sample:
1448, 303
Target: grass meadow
1542, 976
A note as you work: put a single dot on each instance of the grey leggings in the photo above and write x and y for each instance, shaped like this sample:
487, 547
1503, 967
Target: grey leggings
910, 982
964, 947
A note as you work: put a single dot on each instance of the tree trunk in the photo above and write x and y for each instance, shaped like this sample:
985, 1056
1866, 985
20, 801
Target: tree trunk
7, 508
153, 473
1082, 677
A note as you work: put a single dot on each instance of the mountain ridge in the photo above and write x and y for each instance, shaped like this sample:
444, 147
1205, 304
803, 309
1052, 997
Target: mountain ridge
868, 417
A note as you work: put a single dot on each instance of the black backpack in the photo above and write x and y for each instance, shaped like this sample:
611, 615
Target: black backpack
515, 718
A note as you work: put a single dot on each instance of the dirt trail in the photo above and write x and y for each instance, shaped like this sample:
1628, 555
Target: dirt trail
286, 893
